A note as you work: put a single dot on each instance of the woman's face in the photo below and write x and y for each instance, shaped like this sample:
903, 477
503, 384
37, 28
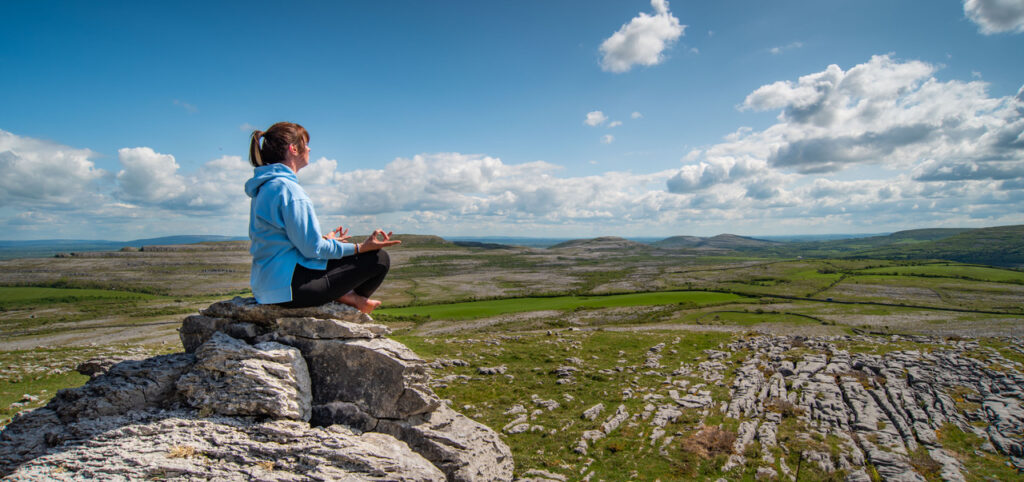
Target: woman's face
299, 157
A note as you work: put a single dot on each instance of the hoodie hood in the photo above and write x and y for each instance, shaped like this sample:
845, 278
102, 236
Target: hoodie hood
263, 174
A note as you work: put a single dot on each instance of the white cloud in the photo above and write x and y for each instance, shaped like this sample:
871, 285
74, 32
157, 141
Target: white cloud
148, 176
780, 49
996, 16
614, 124
636, 115
947, 148
37, 171
642, 41
191, 109
882, 112
595, 118
607, 139
479, 189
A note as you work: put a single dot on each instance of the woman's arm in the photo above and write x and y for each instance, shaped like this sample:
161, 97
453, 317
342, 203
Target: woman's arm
303, 231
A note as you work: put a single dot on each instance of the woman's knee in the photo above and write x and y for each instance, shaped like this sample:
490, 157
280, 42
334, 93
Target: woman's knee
383, 259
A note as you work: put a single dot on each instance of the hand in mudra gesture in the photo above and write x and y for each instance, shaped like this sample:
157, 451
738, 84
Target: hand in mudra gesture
379, 239
340, 234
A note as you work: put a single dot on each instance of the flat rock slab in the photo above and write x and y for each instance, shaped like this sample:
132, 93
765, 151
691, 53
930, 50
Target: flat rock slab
179, 446
247, 309
321, 329
231, 377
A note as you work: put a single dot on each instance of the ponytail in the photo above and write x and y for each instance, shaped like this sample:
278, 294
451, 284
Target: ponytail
275, 143
254, 149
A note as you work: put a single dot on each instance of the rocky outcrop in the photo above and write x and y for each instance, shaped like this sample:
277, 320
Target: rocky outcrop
230, 377
882, 409
263, 393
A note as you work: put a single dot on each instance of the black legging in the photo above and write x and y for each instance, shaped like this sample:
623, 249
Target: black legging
362, 273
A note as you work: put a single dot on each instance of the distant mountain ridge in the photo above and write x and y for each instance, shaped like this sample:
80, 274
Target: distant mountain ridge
721, 241
48, 247
996, 246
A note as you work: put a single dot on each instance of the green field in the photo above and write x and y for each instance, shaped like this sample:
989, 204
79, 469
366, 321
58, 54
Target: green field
22, 296
15, 297
481, 309
979, 273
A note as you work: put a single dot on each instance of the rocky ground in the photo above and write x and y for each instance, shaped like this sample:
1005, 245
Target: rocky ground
761, 406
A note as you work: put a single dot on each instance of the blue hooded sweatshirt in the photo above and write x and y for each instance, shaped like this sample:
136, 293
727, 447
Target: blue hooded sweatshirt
284, 233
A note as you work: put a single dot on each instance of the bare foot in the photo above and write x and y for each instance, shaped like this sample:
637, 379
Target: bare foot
361, 303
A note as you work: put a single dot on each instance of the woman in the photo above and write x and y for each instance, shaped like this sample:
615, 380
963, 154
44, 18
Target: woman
293, 264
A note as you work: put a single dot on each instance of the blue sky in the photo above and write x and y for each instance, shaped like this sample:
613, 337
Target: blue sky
124, 120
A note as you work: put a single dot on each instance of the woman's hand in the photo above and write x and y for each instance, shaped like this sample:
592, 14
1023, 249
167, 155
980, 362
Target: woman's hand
340, 235
379, 239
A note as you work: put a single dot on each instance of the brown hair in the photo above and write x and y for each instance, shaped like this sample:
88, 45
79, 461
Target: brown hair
275, 143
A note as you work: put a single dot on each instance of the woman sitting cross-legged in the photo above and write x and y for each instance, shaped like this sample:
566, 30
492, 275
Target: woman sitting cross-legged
293, 264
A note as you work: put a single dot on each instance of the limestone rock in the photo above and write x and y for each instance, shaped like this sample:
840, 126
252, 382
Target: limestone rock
247, 309
382, 377
326, 329
178, 445
95, 367
344, 413
197, 329
464, 449
129, 385
231, 377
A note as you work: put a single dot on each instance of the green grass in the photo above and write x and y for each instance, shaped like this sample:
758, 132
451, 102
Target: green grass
481, 309
531, 358
43, 387
28, 296
977, 273
981, 466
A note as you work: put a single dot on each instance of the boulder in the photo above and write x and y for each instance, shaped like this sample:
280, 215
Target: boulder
230, 377
247, 309
382, 377
463, 449
127, 386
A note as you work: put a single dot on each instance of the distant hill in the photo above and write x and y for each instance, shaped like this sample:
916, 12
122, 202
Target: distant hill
997, 246
604, 242
41, 248
722, 241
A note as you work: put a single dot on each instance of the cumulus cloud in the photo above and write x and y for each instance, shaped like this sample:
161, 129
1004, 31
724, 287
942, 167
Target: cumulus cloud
924, 150
607, 139
149, 178
463, 187
614, 124
642, 41
41, 171
996, 16
882, 112
635, 115
595, 118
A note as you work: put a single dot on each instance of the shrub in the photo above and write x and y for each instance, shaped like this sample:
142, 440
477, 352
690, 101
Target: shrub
710, 441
